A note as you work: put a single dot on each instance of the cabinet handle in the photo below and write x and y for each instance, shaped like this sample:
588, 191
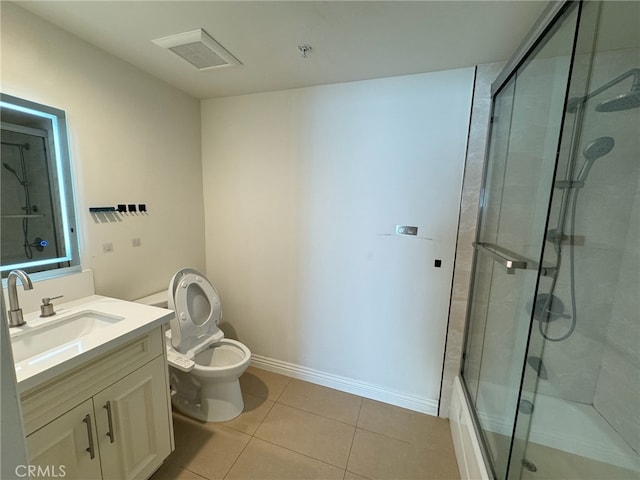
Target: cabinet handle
110, 434
90, 448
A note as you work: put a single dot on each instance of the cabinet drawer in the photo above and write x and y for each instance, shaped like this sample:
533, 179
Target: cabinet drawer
46, 402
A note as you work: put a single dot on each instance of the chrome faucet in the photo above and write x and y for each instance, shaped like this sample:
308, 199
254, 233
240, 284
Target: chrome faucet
15, 312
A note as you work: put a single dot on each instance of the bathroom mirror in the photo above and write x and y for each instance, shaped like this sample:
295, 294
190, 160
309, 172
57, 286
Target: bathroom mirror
38, 231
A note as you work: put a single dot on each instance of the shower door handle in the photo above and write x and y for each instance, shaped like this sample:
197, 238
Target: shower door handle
511, 264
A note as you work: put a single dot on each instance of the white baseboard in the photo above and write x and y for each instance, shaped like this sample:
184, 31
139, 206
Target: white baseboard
344, 384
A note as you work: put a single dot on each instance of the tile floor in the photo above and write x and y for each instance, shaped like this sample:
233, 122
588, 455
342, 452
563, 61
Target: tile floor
296, 430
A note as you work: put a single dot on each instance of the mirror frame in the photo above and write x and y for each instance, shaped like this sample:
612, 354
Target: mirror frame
61, 161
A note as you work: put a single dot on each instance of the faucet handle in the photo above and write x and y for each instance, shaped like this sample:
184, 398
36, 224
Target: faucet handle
46, 309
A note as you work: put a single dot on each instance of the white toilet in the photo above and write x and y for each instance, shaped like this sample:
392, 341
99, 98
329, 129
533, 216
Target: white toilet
204, 366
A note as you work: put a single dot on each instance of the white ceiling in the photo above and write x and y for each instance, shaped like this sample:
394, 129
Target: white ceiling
351, 40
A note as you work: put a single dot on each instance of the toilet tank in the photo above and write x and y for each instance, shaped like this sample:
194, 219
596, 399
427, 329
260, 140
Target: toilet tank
158, 299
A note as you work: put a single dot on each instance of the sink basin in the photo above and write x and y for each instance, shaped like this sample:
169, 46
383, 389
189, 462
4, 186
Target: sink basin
59, 335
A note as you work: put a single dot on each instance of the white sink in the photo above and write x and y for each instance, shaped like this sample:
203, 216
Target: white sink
59, 335
80, 331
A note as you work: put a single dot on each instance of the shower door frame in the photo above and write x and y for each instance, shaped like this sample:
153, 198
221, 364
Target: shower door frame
553, 12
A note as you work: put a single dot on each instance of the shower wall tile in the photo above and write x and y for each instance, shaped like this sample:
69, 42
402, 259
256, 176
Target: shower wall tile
474, 164
618, 383
617, 396
606, 289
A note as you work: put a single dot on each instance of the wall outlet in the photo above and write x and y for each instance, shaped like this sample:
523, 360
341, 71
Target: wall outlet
107, 247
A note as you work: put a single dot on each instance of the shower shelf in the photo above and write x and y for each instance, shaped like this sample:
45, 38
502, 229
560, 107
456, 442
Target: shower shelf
511, 261
22, 215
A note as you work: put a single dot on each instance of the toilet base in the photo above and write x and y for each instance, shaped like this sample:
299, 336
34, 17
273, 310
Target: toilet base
218, 401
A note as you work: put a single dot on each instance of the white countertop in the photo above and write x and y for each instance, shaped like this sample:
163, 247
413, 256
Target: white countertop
138, 319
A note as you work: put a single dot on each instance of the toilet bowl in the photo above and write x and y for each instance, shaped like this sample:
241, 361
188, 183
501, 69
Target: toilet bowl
204, 367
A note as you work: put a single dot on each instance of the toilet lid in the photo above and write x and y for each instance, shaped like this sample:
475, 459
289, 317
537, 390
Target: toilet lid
197, 309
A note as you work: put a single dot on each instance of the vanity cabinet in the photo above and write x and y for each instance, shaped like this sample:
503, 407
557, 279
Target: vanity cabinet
131, 423
60, 447
119, 426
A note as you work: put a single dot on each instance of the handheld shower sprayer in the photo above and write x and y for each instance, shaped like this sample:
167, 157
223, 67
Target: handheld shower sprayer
8, 167
592, 152
12, 170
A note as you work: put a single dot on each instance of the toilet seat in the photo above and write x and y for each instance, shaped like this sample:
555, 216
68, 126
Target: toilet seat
224, 358
205, 367
197, 311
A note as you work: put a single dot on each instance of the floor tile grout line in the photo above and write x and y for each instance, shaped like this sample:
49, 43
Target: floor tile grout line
361, 413
263, 419
195, 473
285, 387
354, 426
390, 437
237, 458
300, 453
221, 425
362, 399
310, 413
353, 437
319, 414
252, 436
368, 478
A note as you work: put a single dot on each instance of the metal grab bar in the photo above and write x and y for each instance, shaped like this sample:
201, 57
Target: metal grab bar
511, 264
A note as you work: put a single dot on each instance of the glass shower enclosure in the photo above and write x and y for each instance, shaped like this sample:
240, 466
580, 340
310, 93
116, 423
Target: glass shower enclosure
551, 365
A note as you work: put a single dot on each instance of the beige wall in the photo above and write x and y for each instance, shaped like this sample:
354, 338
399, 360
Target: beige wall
133, 139
303, 191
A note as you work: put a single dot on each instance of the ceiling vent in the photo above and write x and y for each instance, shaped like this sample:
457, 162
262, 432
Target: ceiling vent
199, 49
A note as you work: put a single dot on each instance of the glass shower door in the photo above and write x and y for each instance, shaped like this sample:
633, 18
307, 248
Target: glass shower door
525, 131
584, 415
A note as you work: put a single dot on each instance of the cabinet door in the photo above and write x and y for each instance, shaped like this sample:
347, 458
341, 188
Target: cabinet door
133, 419
67, 447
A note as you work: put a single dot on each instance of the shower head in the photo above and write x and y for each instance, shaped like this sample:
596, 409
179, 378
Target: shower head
592, 152
624, 101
